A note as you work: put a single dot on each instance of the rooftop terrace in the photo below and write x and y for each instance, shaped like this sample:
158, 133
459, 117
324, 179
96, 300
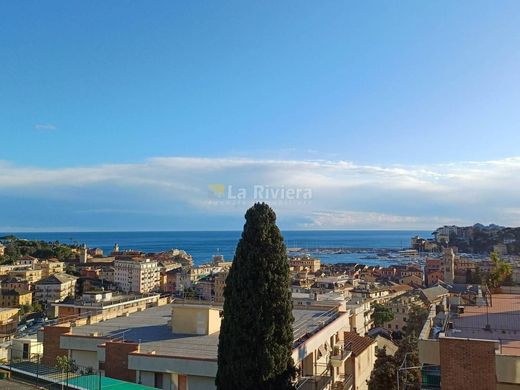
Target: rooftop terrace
151, 328
498, 321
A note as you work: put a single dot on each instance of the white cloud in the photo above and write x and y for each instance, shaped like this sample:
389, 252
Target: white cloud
371, 220
45, 126
344, 194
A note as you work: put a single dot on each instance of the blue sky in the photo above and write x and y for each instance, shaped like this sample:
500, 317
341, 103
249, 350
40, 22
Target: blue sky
153, 101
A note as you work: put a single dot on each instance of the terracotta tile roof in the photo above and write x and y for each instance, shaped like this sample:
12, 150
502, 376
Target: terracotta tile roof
401, 287
359, 344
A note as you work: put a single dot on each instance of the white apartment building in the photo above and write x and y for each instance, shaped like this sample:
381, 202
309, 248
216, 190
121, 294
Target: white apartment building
136, 275
27, 260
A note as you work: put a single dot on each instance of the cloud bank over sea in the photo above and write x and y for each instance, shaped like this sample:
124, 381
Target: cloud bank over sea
179, 193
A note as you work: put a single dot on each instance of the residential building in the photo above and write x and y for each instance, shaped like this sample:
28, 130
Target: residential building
433, 272
340, 283
188, 277
220, 283
302, 279
27, 260
311, 299
15, 284
168, 282
9, 318
472, 347
402, 271
360, 318
412, 280
401, 307
370, 291
433, 294
304, 264
95, 252
177, 348
25, 348
363, 359
136, 275
2, 249
6, 269
386, 343
107, 273
205, 288
55, 288
106, 304
29, 274
51, 266
90, 272
15, 298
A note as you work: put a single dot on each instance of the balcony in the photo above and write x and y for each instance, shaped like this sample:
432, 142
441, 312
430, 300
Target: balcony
313, 382
340, 354
345, 382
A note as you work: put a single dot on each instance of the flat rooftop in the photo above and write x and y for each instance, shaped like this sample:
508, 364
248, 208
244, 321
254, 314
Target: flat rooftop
150, 327
503, 317
114, 300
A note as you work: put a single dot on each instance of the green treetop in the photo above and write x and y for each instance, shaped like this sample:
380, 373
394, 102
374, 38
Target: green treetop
256, 336
382, 314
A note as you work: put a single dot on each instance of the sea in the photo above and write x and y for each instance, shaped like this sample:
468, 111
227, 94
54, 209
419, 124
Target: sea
338, 246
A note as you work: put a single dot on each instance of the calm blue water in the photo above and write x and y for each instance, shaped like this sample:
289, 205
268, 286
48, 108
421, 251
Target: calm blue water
202, 245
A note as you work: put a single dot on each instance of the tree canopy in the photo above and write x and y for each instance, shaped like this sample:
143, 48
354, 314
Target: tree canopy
16, 248
384, 375
417, 316
256, 337
382, 314
501, 273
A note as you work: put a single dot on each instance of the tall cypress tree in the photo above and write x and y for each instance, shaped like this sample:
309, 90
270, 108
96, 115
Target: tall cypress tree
256, 336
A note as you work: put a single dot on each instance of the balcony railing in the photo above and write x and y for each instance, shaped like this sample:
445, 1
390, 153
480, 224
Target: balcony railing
345, 382
313, 382
340, 354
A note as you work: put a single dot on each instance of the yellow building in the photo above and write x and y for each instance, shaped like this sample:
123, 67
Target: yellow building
31, 275
9, 318
401, 307
304, 263
360, 366
15, 298
52, 266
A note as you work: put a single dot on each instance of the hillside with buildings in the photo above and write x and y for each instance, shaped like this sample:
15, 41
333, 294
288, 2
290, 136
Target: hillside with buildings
476, 239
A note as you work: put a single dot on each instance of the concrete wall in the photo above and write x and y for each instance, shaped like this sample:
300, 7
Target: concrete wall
155, 363
201, 383
312, 344
34, 348
85, 358
364, 363
508, 369
80, 343
429, 352
195, 319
